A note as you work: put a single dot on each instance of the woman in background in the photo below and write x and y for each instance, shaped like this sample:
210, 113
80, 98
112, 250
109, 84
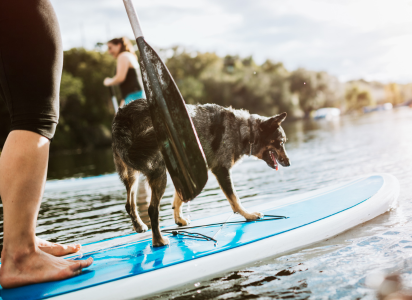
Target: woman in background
128, 75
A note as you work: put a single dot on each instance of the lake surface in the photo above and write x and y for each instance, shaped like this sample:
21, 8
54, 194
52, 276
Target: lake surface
322, 153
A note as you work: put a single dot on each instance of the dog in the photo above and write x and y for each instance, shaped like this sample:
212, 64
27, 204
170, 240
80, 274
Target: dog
225, 134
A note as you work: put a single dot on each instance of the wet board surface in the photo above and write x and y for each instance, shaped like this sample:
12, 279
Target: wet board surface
116, 260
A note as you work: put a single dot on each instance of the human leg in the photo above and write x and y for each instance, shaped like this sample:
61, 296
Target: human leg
29, 80
23, 169
29, 84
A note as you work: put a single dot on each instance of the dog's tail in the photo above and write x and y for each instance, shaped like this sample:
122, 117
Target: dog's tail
133, 136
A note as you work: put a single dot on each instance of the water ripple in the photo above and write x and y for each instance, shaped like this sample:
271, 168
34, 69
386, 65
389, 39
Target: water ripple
321, 153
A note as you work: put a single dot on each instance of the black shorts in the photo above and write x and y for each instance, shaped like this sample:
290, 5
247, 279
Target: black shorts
31, 59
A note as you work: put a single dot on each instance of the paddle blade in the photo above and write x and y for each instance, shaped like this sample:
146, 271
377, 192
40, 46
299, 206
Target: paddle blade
175, 133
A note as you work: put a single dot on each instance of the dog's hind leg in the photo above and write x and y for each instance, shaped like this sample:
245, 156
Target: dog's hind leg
131, 204
143, 191
223, 177
129, 178
178, 212
157, 182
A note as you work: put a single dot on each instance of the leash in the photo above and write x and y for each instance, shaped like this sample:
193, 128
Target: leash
182, 230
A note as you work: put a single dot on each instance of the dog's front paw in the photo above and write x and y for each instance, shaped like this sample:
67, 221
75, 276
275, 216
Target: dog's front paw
140, 228
253, 216
182, 221
163, 241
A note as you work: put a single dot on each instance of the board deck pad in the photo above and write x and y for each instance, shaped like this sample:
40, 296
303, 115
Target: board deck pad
139, 257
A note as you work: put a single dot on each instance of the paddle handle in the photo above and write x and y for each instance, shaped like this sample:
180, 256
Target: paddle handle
133, 18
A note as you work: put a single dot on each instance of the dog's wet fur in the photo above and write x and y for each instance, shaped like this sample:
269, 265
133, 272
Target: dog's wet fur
226, 135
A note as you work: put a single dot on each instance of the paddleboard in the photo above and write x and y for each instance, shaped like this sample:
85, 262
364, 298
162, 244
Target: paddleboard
129, 267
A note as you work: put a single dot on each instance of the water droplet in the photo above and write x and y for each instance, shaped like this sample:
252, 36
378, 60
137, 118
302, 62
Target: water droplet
188, 210
254, 73
304, 83
198, 291
197, 284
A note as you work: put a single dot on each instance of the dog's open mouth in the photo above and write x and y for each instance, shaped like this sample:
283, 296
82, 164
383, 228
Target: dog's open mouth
270, 158
275, 162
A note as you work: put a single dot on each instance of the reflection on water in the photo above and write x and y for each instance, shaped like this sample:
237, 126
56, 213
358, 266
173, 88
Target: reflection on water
322, 153
80, 164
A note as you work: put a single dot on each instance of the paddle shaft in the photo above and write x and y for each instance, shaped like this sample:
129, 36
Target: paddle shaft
114, 99
134, 20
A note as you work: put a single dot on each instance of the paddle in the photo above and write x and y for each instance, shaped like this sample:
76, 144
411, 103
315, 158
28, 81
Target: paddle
174, 129
114, 99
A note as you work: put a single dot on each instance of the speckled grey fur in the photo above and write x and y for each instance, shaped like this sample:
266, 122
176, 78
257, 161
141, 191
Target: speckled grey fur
225, 135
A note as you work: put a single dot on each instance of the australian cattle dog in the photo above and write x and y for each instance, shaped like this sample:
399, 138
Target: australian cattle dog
226, 135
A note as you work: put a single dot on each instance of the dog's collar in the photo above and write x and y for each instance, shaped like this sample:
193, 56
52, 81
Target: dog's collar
252, 136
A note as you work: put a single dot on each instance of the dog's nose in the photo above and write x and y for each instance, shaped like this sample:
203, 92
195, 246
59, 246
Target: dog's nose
287, 163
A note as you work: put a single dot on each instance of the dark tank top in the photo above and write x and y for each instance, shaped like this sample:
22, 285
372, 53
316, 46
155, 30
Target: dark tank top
130, 84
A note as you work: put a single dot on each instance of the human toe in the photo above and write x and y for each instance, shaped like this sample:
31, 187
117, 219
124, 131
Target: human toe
80, 264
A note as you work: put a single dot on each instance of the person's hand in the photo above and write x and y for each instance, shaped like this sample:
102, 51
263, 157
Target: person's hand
107, 81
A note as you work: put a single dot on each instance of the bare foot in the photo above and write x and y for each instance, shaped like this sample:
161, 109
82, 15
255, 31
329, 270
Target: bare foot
37, 266
57, 249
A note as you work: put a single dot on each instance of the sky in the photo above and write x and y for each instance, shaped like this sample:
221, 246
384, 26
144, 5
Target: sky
351, 39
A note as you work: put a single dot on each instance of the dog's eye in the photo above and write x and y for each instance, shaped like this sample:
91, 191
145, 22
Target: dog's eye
281, 144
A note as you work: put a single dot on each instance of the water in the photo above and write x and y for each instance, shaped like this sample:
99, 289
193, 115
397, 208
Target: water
322, 153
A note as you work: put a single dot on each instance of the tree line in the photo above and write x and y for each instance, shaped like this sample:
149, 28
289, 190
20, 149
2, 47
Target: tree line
86, 111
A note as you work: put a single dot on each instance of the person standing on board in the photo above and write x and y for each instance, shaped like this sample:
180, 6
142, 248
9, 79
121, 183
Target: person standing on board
31, 58
128, 75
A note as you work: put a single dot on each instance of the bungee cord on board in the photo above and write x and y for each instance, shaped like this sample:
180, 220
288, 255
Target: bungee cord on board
182, 230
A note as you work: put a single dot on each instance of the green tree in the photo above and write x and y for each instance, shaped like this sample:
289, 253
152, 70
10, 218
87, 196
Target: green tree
266, 89
315, 89
304, 83
69, 130
92, 67
86, 111
356, 98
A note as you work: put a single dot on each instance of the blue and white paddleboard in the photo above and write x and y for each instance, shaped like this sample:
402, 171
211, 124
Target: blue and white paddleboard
129, 267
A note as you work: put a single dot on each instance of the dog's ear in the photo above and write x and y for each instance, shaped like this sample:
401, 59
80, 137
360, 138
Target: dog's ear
273, 121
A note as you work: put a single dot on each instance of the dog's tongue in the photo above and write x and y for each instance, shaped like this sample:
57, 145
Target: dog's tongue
274, 160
